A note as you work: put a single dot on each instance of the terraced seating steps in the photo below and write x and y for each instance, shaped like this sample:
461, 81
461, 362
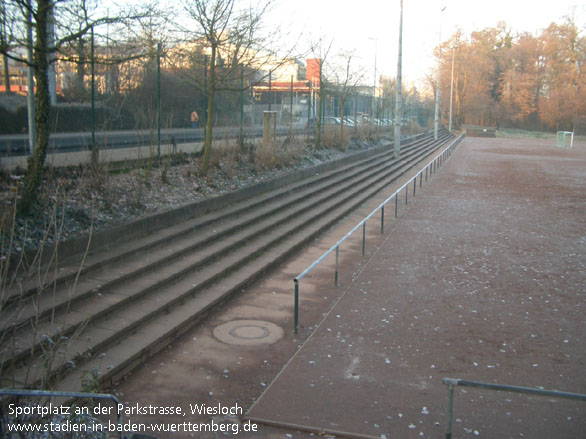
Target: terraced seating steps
126, 305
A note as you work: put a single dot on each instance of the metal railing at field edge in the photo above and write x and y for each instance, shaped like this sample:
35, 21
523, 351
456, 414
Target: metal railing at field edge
430, 168
70, 395
452, 383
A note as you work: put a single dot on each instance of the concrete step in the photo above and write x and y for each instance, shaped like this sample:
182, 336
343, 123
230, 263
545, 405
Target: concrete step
95, 265
170, 247
138, 302
133, 349
270, 190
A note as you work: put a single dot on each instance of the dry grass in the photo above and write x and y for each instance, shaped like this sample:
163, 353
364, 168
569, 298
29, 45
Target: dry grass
331, 138
27, 282
280, 155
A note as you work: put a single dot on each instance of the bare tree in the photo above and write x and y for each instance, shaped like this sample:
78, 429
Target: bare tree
71, 22
234, 39
345, 78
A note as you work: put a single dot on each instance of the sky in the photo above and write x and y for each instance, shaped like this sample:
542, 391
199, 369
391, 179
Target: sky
370, 27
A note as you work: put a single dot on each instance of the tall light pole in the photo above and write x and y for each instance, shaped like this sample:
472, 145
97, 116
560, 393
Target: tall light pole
437, 87
452, 88
398, 92
373, 109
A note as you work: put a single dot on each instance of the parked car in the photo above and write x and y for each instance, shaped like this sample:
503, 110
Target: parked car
332, 121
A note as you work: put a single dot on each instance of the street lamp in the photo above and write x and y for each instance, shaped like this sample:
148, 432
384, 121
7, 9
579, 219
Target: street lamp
437, 87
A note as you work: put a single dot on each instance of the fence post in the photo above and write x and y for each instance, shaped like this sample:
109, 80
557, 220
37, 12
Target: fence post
159, 100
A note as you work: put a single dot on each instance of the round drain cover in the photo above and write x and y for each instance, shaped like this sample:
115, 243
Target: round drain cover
248, 332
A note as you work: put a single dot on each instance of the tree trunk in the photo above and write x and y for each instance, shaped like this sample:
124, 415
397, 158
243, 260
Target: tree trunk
36, 162
207, 147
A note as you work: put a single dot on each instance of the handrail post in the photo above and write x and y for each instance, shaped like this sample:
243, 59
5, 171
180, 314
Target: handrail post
406, 195
363, 237
296, 316
382, 220
450, 412
396, 205
414, 185
336, 274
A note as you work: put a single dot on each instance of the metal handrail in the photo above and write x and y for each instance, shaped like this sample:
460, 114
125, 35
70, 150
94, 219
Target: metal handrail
52, 393
430, 167
452, 383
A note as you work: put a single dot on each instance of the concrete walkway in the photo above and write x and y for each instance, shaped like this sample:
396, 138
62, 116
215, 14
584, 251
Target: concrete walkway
483, 279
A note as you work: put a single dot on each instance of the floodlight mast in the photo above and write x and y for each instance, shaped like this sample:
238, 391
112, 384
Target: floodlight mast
452, 88
398, 94
437, 87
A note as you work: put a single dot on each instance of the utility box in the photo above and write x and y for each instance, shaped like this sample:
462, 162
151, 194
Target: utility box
269, 129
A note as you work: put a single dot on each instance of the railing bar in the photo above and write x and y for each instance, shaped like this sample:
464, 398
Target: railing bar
515, 389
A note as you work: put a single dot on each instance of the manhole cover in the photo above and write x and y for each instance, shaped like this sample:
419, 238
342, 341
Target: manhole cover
248, 332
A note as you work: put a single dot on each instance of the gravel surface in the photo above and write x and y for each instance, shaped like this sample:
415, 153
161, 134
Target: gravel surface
74, 200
